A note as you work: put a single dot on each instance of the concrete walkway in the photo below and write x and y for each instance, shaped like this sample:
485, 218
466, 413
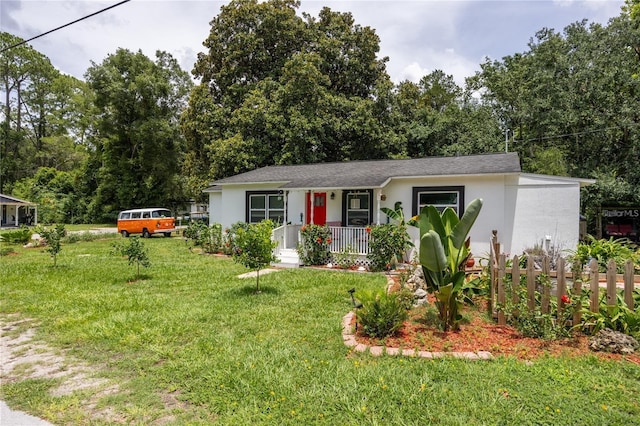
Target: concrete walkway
9, 417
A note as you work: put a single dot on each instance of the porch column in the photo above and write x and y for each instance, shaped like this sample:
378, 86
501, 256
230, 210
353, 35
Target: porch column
379, 205
312, 203
285, 195
286, 207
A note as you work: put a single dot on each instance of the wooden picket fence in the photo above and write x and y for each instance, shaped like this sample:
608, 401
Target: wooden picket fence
565, 284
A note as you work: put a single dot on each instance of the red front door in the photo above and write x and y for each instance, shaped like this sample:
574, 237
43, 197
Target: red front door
317, 213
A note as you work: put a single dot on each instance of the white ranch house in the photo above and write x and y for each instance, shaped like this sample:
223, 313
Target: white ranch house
525, 209
16, 212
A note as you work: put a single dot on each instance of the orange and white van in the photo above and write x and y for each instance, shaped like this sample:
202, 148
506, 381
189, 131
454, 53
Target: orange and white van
146, 222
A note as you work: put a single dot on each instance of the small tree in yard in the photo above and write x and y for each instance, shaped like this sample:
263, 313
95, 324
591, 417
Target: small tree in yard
135, 252
53, 237
253, 247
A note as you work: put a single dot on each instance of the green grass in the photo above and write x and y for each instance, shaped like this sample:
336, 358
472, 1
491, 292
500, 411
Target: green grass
193, 333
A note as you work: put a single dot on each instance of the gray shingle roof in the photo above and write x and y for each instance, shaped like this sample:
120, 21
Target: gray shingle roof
7, 199
373, 173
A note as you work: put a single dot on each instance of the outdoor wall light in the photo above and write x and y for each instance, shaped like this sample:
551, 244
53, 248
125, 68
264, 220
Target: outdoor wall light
333, 195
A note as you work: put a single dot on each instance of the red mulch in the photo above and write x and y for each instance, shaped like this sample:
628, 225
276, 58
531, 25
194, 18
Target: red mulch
482, 334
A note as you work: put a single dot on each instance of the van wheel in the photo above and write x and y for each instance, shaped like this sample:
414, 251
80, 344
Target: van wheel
167, 234
125, 234
145, 233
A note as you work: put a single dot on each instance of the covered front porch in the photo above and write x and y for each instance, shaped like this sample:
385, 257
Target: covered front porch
351, 240
347, 212
17, 212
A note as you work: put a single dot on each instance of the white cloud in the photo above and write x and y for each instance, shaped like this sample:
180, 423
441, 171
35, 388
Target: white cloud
418, 36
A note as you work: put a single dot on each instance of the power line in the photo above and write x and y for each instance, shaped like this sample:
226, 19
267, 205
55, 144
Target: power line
63, 26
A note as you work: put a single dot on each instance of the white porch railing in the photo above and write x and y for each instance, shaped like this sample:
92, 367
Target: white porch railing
353, 240
287, 236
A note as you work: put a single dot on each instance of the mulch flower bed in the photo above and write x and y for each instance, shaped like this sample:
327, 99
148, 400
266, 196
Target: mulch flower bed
479, 333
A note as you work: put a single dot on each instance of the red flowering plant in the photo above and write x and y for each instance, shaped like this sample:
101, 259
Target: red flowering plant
314, 249
387, 245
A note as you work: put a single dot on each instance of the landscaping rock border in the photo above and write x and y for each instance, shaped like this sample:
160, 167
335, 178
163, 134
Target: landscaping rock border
350, 340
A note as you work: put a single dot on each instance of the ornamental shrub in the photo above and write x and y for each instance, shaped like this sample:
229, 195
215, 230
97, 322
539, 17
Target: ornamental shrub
386, 243
620, 250
254, 247
208, 237
53, 237
18, 236
382, 314
616, 317
135, 252
314, 247
229, 240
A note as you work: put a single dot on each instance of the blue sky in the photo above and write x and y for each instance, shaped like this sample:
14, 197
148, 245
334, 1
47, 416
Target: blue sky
417, 36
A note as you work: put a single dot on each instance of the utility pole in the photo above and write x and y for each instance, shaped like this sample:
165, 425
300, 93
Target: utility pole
506, 140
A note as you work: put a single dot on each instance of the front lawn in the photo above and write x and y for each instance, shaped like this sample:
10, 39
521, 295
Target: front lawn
191, 343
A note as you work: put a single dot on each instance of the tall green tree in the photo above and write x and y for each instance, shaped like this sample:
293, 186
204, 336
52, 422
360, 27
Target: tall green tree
572, 99
436, 117
24, 75
278, 88
137, 139
45, 115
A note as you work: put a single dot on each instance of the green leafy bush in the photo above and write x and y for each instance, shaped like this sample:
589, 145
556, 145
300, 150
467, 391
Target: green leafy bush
53, 237
135, 252
314, 247
208, 237
535, 323
620, 250
254, 247
382, 314
617, 317
18, 236
387, 244
229, 244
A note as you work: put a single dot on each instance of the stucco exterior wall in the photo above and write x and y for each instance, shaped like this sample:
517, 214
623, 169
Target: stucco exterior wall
545, 208
491, 188
215, 207
524, 209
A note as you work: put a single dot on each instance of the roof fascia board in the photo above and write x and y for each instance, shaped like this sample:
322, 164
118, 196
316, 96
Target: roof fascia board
582, 181
454, 176
333, 188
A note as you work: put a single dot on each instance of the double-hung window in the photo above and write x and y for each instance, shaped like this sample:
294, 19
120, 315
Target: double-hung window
357, 208
265, 205
440, 197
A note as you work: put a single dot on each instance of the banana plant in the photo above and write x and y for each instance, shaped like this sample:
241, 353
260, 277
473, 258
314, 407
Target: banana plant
397, 214
444, 248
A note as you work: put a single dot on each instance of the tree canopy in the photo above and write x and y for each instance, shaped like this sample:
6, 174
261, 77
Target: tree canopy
276, 87
137, 139
283, 89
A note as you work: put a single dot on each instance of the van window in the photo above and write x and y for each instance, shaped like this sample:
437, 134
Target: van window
146, 215
125, 215
135, 215
161, 213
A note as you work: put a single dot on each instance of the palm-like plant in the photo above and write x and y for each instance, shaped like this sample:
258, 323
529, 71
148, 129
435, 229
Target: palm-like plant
444, 249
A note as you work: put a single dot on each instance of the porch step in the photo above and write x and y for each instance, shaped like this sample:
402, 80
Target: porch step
288, 258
